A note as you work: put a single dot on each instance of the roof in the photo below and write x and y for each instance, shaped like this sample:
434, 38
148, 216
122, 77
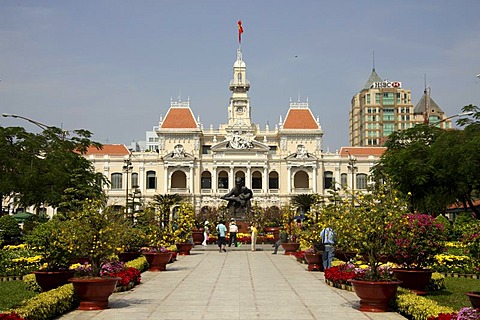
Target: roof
362, 151
421, 105
110, 149
179, 118
374, 77
301, 118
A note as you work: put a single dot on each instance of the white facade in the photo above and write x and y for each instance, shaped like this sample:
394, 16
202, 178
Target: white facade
202, 164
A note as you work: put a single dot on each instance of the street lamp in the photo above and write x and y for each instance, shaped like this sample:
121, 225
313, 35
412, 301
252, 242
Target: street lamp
127, 167
462, 114
352, 168
37, 123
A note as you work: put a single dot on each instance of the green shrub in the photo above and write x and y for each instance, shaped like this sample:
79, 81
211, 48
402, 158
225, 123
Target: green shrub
418, 307
9, 229
48, 305
31, 282
18, 260
140, 264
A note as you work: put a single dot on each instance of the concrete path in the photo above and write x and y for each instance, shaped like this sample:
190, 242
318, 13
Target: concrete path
239, 284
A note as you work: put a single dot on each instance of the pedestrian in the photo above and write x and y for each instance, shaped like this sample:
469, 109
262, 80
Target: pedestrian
233, 229
328, 238
282, 237
254, 231
205, 233
222, 231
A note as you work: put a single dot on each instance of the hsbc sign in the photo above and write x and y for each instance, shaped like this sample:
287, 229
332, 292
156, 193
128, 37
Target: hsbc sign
386, 84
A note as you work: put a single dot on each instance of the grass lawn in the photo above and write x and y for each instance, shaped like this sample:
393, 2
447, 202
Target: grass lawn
454, 296
12, 293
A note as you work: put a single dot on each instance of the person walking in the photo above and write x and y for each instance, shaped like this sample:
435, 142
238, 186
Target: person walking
328, 238
283, 236
254, 231
233, 229
205, 233
222, 231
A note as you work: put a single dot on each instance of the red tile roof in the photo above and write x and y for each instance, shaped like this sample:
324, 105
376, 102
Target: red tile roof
362, 151
300, 119
179, 118
109, 149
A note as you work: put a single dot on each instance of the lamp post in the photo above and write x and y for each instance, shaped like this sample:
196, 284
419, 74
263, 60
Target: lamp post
135, 194
37, 123
352, 168
127, 167
462, 114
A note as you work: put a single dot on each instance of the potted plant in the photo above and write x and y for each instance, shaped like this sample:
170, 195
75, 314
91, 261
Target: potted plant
132, 240
182, 228
96, 238
50, 240
418, 238
292, 230
362, 223
157, 257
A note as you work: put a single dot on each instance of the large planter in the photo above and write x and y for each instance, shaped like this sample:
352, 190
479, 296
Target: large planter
128, 256
314, 261
290, 247
275, 231
184, 248
375, 296
474, 298
48, 280
344, 256
157, 261
414, 280
93, 293
197, 236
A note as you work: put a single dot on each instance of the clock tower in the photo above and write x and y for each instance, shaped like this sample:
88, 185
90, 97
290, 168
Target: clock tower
239, 112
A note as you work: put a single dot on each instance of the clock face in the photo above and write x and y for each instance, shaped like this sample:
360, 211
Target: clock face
239, 110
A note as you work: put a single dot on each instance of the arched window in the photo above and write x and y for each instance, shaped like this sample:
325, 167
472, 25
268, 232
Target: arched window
206, 182
135, 180
151, 180
116, 181
343, 179
256, 180
328, 180
273, 180
300, 180
361, 181
179, 180
241, 175
222, 180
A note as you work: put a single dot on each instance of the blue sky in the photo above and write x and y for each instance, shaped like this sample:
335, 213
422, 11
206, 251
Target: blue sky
111, 67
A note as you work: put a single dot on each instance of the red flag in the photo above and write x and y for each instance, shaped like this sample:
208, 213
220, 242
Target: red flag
240, 31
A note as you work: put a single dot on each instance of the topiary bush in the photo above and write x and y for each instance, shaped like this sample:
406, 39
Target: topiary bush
10, 231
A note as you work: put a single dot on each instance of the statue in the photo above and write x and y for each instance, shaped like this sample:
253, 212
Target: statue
238, 199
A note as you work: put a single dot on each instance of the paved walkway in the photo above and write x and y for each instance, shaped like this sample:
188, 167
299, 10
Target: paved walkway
239, 284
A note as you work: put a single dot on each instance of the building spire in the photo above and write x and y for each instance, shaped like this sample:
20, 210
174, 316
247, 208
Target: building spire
373, 69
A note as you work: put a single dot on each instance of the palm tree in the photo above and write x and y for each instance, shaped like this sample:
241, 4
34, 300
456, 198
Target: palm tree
164, 202
304, 201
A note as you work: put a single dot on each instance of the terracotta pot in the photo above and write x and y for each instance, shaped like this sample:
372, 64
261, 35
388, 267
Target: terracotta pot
474, 298
375, 296
184, 248
414, 280
48, 280
93, 293
128, 256
314, 261
197, 236
275, 231
290, 247
157, 261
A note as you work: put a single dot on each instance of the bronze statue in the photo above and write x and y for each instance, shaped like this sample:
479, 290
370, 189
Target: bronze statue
238, 199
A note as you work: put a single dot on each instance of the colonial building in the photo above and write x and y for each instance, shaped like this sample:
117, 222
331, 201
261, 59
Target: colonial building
202, 164
383, 107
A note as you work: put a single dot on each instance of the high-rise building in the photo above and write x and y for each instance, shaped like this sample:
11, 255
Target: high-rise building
384, 106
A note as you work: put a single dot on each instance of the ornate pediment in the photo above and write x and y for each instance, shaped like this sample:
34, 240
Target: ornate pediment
178, 154
240, 145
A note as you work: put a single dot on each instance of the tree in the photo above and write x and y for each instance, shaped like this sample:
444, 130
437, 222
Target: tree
48, 168
435, 167
165, 202
304, 201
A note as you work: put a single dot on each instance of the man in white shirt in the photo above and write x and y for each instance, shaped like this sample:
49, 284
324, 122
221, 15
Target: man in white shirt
233, 229
328, 238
